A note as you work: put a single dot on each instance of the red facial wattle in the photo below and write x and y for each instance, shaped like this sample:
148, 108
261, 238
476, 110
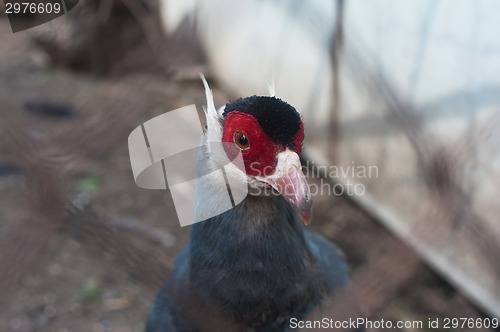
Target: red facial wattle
297, 141
259, 158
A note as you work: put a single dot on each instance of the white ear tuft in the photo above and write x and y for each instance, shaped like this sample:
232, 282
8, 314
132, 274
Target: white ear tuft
213, 132
271, 86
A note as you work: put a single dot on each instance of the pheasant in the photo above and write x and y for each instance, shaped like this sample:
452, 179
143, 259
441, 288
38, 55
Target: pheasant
254, 267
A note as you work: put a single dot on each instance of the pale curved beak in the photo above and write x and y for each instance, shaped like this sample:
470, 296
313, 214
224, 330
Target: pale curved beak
290, 182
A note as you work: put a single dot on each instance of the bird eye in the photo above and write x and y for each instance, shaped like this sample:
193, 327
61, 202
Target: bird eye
241, 140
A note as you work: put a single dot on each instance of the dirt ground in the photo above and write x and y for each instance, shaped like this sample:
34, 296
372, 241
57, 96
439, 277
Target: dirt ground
82, 248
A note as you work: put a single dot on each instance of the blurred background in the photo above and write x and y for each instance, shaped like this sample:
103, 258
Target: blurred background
410, 89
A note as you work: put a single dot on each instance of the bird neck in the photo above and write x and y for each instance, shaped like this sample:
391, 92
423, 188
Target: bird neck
248, 257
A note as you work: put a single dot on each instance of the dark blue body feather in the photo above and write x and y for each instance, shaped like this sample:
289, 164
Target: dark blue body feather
249, 269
